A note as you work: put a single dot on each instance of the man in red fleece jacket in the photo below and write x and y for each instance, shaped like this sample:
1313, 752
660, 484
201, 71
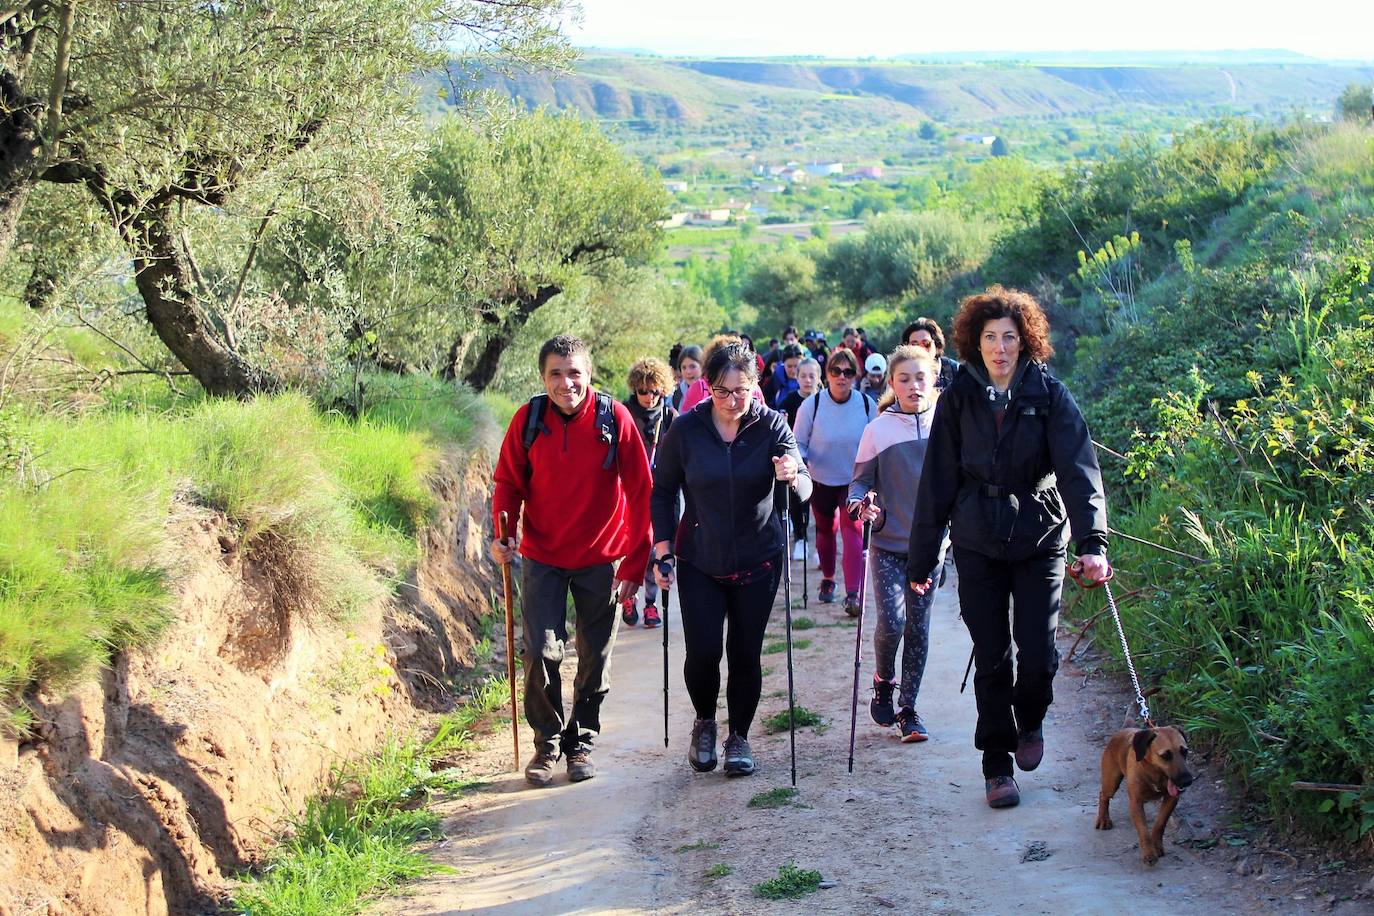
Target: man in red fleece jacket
579, 517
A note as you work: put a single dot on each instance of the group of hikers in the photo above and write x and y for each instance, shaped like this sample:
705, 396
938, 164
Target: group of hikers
988, 459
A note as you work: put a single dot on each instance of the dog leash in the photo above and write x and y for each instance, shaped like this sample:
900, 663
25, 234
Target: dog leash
1076, 573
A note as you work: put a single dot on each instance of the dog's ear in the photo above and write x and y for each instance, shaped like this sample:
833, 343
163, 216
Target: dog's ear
1141, 742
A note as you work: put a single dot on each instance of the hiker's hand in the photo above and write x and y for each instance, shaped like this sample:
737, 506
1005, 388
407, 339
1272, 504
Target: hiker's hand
503, 551
864, 510
785, 468
1091, 569
920, 588
625, 590
664, 581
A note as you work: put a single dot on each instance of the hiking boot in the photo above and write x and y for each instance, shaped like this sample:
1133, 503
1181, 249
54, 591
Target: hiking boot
799, 550
580, 766
539, 771
651, 618
1030, 749
880, 707
826, 595
628, 612
851, 604
701, 750
910, 725
1002, 792
739, 757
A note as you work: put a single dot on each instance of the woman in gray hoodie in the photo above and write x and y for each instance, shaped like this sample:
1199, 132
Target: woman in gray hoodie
888, 467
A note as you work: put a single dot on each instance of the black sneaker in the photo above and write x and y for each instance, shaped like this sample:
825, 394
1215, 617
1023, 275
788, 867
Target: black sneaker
539, 771
580, 766
826, 595
701, 750
739, 757
910, 725
851, 604
628, 612
880, 707
1030, 749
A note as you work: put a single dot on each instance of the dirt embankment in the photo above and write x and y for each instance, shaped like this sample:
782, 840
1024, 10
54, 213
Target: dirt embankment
145, 791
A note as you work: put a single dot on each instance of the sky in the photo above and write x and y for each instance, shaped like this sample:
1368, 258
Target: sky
1341, 29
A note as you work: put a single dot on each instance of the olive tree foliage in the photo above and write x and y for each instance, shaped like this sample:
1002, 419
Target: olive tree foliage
782, 288
905, 254
1356, 103
520, 206
160, 109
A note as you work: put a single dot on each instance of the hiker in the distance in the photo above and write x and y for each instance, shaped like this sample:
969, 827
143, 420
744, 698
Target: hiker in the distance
649, 382
926, 334
829, 426
689, 370
1010, 469
572, 469
725, 458
888, 467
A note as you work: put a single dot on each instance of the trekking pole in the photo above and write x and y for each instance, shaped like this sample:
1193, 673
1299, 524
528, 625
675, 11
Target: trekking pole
502, 525
806, 550
787, 618
665, 569
859, 631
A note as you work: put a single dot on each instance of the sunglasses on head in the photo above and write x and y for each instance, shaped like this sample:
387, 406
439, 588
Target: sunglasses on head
837, 371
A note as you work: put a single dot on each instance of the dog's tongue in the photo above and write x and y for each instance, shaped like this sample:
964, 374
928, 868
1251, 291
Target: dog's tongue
1173, 789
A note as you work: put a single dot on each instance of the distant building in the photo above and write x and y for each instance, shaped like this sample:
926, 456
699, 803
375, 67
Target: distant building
672, 222
675, 187
793, 174
984, 139
711, 217
873, 172
825, 168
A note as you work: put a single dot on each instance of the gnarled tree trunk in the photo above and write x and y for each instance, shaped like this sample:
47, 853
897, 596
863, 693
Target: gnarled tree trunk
164, 279
502, 335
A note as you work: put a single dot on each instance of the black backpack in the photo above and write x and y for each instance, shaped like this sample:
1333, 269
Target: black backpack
605, 421
816, 404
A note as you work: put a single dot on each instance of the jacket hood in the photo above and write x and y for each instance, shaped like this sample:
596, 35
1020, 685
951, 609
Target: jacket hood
998, 399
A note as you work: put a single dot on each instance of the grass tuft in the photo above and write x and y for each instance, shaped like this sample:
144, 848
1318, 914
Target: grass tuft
782, 797
780, 645
699, 844
357, 839
778, 722
803, 623
792, 882
719, 870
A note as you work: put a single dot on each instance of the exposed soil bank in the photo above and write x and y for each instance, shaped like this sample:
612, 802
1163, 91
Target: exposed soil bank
146, 792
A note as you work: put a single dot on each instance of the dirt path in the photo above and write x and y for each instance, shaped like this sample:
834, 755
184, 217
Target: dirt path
908, 831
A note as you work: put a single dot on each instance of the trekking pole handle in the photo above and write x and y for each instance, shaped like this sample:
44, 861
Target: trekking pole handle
665, 565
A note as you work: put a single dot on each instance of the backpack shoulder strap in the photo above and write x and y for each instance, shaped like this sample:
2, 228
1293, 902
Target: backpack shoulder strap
868, 404
608, 427
534, 419
815, 405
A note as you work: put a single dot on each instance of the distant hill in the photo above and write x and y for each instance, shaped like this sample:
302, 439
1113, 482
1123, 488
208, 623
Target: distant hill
698, 91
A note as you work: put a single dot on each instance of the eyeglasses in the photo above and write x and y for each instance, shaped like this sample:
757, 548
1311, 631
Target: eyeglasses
721, 394
924, 344
643, 393
837, 371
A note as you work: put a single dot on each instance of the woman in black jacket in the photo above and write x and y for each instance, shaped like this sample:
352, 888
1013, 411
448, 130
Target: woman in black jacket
725, 456
1010, 469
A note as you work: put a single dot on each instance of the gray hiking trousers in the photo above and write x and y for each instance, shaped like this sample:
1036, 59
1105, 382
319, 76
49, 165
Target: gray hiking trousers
544, 596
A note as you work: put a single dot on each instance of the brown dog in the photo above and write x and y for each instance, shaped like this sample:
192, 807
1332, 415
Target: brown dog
1154, 763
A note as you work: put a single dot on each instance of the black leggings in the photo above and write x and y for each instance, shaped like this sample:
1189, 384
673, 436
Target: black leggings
707, 603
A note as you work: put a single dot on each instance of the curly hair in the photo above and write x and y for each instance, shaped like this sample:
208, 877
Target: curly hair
1000, 302
652, 374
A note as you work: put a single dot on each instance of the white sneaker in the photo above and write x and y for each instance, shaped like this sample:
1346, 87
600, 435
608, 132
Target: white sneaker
799, 550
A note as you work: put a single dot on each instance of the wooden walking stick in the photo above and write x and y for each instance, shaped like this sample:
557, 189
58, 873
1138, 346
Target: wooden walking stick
503, 526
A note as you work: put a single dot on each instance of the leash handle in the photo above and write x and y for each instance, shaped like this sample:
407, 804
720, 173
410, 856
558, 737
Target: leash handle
1076, 574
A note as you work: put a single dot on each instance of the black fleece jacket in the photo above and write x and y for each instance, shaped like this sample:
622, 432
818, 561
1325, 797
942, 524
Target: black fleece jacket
729, 524
1014, 494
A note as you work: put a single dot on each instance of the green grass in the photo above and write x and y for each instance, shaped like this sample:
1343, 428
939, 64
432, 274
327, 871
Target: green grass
777, 722
782, 797
330, 507
792, 882
780, 645
803, 623
719, 870
358, 839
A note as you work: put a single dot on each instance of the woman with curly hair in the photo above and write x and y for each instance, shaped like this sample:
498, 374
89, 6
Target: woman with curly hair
650, 382
1010, 469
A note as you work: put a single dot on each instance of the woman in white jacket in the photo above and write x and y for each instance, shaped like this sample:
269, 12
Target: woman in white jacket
891, 453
